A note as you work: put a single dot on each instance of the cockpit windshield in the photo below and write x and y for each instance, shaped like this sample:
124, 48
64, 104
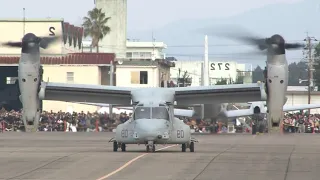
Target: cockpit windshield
151, 113
142, 113
160, 113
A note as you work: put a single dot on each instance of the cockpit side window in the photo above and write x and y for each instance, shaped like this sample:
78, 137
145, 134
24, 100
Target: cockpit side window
142, 113
160, 113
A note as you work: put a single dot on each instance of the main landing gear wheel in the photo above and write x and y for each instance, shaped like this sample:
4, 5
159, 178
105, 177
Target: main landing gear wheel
123, 147
151, 148
115, 146
183, 147
191, 147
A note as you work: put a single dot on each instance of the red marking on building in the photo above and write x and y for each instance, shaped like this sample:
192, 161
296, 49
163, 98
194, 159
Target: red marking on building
73, 58
72, 34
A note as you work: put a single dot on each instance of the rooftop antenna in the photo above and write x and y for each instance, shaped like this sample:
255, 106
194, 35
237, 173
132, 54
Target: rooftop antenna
153, 49
24, 21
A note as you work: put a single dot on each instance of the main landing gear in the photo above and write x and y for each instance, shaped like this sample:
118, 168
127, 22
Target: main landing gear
188, 145
185, 146
117, 145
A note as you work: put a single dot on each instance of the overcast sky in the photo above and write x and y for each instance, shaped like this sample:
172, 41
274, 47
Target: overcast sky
142, 14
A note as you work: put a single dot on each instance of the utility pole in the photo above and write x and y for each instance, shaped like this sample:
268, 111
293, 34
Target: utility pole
24, 21
206, 63
310, 59
111, 84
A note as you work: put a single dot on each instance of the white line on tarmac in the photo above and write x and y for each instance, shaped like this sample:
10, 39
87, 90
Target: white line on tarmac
129, 162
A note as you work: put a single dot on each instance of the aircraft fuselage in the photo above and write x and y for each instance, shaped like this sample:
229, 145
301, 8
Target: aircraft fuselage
159, 131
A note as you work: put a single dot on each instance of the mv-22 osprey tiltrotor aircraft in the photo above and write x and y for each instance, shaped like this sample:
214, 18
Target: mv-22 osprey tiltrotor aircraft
150, 123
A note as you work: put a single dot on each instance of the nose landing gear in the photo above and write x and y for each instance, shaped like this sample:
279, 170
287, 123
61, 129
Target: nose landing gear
150, 147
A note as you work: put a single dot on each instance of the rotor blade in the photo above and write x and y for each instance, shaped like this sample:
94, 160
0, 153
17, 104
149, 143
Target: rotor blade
13, 44
294, 46
238, 34
46, 41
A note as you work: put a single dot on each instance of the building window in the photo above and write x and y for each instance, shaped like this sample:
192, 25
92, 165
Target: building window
145, 55
139, 77
143, 77
135, 55
11, 80
129, 55
70, 77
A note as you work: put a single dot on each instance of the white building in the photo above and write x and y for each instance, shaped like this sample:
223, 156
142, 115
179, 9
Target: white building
137, 49
217, 71
145, 50
143, 73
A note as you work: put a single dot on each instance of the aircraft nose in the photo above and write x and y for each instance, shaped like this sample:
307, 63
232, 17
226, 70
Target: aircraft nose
150, 129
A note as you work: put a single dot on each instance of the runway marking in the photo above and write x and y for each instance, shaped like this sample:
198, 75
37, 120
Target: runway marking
130, 162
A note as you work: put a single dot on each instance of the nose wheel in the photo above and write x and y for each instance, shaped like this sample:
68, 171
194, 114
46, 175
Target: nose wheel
150, 147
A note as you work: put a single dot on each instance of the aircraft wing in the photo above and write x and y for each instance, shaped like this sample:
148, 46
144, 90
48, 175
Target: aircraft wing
249, 112
220, 94
177, 112
85, 93
300, 107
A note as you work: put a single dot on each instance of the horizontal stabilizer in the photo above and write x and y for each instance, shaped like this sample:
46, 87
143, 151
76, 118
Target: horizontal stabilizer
238, 113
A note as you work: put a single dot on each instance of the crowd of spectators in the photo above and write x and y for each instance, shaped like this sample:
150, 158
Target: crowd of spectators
301, 123
61, 121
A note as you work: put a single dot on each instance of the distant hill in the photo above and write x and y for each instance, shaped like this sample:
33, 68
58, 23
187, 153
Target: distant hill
289, 20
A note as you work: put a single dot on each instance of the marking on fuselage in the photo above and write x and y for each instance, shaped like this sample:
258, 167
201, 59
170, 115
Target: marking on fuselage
130, 162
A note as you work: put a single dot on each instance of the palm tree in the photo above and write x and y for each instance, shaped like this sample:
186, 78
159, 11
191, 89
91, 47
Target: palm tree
94, 25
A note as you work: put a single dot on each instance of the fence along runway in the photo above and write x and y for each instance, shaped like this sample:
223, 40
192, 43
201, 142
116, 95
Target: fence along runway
77, 156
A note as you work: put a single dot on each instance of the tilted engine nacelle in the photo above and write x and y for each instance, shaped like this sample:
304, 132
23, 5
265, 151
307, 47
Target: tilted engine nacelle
258, 107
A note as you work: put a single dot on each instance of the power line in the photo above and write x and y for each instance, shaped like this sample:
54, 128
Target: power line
195, 45
220, 45
310, 58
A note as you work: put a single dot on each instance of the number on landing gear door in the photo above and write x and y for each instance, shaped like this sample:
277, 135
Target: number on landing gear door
180, 134
124, 133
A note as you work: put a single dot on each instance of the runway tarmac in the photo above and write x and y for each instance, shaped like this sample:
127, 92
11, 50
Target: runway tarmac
89, 156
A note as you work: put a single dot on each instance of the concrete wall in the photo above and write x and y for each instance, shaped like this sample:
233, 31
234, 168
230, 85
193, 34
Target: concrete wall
115, 42
82, 75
